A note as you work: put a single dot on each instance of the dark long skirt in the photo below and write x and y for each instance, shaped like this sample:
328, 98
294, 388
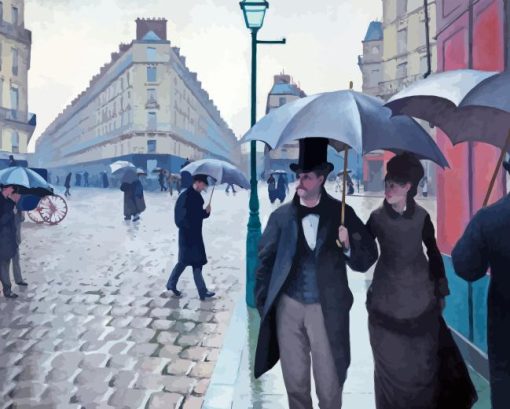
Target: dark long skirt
418, 365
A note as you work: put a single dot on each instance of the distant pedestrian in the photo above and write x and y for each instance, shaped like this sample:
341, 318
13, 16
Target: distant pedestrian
280, 189
134, 202
86, 179
58, 181
8, 241
189, 217
78, 179
12, 161
486, 245
271, 188
186, 179
230, 186
67, 184
104, 178
161, 179
425, 186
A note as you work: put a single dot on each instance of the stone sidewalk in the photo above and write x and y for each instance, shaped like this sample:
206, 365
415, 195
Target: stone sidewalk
96, 329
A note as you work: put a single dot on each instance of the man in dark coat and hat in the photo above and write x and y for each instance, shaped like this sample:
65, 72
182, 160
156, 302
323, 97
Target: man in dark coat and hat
301, 285
189, 216
485, 244
8, 243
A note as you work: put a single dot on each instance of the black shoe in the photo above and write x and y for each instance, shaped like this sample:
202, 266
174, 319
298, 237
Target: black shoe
127, 218
22, 283
207, 294
176, 292
135, 219
10, 295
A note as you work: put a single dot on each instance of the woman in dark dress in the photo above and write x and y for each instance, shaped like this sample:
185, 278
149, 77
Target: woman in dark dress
417, 364
271, 188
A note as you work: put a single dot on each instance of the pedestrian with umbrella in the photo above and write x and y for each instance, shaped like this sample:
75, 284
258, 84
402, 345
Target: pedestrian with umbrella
189, 216
405, 302
473, 106
344, 119
67, 184
281, 191
301, 286
14, 182
271, 188
161, 179
134, 202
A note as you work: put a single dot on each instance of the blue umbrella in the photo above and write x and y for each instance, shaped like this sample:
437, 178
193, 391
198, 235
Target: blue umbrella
26, 180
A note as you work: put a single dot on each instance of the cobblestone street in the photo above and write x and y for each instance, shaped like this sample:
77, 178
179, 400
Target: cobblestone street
96, 327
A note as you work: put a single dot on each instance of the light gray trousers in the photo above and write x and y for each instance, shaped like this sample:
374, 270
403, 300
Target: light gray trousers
302, 340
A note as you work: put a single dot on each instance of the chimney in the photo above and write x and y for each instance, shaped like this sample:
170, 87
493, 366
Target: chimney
144, 25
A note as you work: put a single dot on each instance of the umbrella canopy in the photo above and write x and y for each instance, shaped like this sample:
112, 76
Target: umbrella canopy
278, 172
140, 171
347, 119
468, 105
157, 170
129, 175
120, 165
27, 181
221, 171
175, 176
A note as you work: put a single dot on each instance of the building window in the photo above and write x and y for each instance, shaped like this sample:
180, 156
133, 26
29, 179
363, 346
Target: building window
151, 74
402, 70
423, 64
14, 61
402, 42
15, 142
151, 95
375, 50
151, 121
401, 8
151, 146
282, 101
151, 54
14, 99
15, 16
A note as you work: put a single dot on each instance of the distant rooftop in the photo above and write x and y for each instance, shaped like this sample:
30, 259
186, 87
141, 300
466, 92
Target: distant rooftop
374, 32
283, 85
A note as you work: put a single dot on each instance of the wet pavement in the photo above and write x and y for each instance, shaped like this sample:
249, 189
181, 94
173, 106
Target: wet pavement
97, 329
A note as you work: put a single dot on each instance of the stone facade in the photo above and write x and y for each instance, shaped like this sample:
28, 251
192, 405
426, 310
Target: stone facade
145, 106
16, 123
402, 59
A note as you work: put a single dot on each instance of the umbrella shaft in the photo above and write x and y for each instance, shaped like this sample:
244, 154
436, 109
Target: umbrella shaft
346, 151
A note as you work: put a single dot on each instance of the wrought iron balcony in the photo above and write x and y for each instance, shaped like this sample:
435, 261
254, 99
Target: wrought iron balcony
20, 119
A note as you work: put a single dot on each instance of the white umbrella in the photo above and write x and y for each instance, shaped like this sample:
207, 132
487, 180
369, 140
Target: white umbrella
120, 165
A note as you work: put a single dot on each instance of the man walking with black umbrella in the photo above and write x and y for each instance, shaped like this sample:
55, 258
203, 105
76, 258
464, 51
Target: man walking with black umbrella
189, 216
301, 287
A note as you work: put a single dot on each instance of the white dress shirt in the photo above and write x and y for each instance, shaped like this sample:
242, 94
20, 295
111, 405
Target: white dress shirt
310, 225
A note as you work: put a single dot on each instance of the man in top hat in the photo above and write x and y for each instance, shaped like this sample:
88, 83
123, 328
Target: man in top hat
189, 216
486, 244
301, 286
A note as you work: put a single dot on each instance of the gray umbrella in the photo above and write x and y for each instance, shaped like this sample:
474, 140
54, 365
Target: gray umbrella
129, 175
347, 119
468, 105
26, 180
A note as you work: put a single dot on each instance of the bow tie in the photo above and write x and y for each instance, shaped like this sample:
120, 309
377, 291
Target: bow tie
305, 211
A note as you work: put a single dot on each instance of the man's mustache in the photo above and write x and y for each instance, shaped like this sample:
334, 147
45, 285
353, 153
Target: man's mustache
300, 187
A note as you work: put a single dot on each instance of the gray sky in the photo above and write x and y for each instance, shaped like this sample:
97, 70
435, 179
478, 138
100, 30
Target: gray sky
72, 39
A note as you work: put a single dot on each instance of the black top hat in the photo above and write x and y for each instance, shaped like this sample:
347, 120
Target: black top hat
313, 155
506, 165
201, 178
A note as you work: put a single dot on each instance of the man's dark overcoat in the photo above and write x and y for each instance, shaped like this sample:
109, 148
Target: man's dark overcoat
189, 216
484, 244
8, 243
277, 249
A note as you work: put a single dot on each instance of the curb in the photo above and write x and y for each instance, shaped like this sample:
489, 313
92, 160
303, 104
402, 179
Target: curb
220, 393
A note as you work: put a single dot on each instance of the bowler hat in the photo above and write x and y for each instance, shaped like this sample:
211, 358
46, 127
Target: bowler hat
201, 178
506, 165
313, 155
405, 167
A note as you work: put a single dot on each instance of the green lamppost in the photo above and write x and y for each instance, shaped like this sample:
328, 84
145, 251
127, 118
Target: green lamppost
254, 12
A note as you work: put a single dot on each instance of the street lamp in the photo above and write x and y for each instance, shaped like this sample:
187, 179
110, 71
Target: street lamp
254, 12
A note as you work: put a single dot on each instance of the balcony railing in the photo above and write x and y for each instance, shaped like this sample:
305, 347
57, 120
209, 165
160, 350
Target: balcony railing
16, 32
24, 118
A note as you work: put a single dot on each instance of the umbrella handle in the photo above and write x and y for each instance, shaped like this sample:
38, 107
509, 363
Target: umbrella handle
211, 195
342, 217
498, 165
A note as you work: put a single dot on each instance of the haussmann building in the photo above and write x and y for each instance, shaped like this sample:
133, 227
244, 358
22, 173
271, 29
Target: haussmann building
145, 106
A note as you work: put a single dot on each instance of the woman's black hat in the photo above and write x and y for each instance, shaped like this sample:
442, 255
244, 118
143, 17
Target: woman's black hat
201, 178
313, 155
405, 167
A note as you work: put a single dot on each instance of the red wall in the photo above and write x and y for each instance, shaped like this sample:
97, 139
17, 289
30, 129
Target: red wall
453, 193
